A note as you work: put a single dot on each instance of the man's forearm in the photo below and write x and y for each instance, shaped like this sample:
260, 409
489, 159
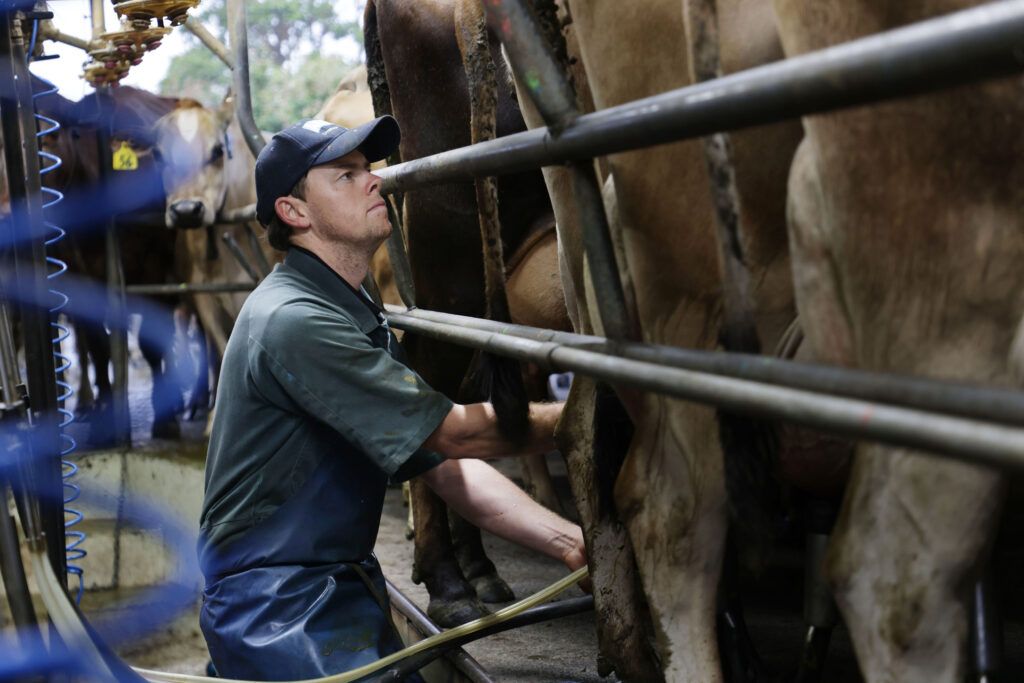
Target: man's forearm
488, 499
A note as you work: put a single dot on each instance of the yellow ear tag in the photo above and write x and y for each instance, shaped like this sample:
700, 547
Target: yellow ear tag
125, 158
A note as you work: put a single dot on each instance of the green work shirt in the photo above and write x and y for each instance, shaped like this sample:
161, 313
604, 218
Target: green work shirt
310, 373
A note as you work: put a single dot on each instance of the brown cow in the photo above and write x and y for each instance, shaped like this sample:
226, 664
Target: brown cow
208, 169
673, 477
417, 58
907, 226
147, 248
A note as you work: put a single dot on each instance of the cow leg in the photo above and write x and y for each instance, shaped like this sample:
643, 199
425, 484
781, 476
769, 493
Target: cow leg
155, 349
452, 601
85, 396
593, 434
476, 566
200, 400
902, 561
673, 479
101, 419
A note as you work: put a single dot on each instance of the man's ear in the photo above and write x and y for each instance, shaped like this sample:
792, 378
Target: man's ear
292, 211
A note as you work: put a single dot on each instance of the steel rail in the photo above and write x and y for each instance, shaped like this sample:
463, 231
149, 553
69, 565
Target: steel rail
238, 36
189, 288
982, 42
459, 658
210, 41
987, 404
545, 81
964, 439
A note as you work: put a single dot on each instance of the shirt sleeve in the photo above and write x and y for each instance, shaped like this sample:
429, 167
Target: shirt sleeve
321, 363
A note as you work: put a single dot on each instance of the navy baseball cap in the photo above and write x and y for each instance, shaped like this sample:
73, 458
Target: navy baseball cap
291, 153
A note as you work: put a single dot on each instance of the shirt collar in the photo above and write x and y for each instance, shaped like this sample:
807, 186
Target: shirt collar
367, 314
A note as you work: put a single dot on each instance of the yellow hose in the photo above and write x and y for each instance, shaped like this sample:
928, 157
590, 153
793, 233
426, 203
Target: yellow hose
443, 637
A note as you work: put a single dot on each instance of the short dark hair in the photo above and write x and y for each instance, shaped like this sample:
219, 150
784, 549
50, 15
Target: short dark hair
279, 233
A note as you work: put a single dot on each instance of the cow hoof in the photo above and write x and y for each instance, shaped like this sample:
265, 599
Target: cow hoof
451, 613
409, 533
492, 588
167, 429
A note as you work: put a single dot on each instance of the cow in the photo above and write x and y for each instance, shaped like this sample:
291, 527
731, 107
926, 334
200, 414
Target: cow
662, 208
147, 250
416, 72
907, 237
206, 170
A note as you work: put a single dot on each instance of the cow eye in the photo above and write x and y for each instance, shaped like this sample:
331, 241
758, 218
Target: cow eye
217, 153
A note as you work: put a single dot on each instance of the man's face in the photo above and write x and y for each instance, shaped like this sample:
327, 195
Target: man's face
344, 203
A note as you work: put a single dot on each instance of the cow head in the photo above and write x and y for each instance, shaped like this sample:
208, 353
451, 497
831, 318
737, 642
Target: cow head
193, 146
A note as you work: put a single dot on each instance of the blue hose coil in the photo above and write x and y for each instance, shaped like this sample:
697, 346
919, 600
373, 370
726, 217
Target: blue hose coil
73, 538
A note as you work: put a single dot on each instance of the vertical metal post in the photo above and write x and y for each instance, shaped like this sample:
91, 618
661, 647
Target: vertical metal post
118, 316
239, 39
96, 12
548, 86
29, 287
11, 568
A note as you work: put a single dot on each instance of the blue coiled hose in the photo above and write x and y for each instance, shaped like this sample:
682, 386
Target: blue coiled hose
73, 538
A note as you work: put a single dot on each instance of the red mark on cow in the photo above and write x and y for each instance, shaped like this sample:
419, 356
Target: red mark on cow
869, 413
506, 25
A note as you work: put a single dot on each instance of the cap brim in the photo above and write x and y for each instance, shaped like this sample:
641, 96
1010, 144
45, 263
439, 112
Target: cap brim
376, 139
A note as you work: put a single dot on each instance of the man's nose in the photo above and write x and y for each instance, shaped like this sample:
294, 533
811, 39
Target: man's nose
374, 185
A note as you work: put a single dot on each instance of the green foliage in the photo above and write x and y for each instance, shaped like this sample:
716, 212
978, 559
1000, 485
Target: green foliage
290, 76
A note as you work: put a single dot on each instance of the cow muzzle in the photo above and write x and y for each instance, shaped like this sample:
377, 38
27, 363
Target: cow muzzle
187, 214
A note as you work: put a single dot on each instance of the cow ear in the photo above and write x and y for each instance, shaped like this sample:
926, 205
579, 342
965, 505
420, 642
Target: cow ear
227, 109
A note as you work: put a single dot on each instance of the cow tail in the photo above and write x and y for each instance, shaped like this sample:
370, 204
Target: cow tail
498, 377
749, 446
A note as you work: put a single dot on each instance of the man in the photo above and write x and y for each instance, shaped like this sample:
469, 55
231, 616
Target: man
316, 413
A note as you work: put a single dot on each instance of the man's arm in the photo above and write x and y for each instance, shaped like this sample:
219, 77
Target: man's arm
471, 431
485, 497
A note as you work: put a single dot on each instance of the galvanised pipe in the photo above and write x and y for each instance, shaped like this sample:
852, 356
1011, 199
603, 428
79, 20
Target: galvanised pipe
548, 86
961, 47
951, 398
18, 127
236, 250
239, 38
189, 288
967, 440
467, 666
210, 41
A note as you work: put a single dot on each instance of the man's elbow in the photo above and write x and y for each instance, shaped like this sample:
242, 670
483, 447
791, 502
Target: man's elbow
453, 438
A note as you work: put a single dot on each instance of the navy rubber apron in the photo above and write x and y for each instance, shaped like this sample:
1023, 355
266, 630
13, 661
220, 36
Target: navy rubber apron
300, 595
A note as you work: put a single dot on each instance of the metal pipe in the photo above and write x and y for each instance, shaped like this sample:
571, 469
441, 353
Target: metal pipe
242, 214
239, 38
13, 571
534, 615
49, 31
257, 249
210, 41
236, 251
466, 665
96, 13
398, 255
971, 441
547, 84
189, 288
960, 47
117, 311
43, 473
952, 398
